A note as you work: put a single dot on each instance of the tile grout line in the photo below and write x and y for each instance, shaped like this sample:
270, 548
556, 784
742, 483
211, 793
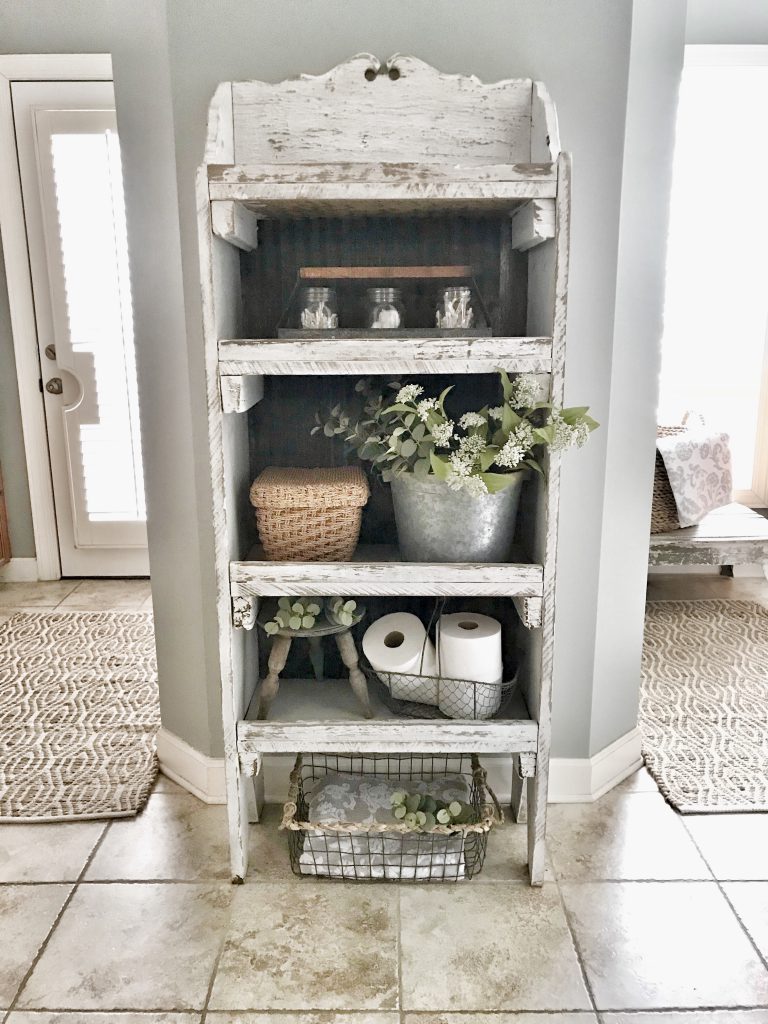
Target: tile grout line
576, 947
217, 960
763, 959
44, 944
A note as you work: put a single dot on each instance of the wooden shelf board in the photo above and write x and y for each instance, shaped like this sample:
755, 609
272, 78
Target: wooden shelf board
372, 355
300, 190
376, 569
733, 535
324, 716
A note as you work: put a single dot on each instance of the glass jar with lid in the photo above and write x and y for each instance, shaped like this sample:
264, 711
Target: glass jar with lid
385, 309
318, 309
454, 308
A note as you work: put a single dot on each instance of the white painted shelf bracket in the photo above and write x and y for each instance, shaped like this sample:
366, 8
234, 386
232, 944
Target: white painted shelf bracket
533, 223
240, 393
250, 763
529, 609
526, 765
235, 224
244, 612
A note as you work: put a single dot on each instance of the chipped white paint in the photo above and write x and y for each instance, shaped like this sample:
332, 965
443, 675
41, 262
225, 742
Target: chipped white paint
244, 610
384, 355
545, 134
387, 736
422, 116
235, 224
372, 198
733, 535
539, 690
240, 393
529, 610
379, 577
533, 223
443, 143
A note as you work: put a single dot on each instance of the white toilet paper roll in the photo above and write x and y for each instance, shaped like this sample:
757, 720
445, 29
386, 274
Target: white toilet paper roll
398, 643
469, 648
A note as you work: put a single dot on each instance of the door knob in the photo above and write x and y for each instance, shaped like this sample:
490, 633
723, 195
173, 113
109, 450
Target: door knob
54, 386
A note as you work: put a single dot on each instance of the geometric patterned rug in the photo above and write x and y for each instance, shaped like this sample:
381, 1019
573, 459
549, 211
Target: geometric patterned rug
79, 712
704, 704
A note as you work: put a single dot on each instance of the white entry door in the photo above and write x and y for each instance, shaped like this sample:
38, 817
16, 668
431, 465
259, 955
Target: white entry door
71, 180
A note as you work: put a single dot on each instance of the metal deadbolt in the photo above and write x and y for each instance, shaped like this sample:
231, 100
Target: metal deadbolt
50, 351
54, 386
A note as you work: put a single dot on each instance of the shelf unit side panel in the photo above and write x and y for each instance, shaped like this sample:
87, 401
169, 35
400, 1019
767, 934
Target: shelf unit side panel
220, 284
539, 695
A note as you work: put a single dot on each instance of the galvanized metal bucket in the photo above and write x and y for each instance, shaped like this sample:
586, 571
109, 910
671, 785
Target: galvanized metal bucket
437, 524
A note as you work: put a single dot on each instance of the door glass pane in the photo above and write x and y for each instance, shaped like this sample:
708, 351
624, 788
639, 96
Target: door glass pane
716, 308
94, 248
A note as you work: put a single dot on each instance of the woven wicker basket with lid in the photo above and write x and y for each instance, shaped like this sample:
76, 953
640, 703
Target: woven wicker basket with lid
309, 515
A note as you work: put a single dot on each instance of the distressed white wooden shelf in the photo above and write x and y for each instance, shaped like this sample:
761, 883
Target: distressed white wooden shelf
308, 715
443, 144
380, 189
377, 571
733, 535
391, 355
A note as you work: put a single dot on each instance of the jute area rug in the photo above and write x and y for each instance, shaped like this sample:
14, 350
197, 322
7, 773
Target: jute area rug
79, 712
704, 704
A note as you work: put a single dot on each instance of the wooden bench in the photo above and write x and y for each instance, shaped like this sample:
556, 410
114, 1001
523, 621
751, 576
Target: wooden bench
733, 535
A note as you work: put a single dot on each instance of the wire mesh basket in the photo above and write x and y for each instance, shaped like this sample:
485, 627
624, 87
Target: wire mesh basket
389, 850
417, 696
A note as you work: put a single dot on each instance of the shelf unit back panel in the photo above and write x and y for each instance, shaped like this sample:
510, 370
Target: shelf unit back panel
269, 273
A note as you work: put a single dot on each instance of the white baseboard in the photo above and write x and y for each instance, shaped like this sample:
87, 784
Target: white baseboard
571, 780
201, 775
19, 570
582, 780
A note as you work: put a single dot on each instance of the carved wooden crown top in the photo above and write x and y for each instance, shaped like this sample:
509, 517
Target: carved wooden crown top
403, 111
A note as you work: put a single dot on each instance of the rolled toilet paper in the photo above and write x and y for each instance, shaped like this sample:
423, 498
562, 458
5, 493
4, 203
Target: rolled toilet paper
398, 643
469, 654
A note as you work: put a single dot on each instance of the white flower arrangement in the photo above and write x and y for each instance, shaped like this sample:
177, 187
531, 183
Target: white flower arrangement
479, 453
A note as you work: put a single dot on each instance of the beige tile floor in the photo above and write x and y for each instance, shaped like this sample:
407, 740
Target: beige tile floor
645, 918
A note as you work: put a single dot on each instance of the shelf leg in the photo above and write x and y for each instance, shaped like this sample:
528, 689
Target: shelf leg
237, 798
317, 656
519, 804
346, 644
537, 829
278, 656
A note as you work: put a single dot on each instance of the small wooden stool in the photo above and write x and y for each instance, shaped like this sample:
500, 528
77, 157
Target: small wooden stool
278, 655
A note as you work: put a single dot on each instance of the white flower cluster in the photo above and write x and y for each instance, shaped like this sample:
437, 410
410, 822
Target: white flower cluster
471, 446
567, 436
526, 392
517, 447
472, 419
469, 484
442, 434
423, 408
409, 393
497, 412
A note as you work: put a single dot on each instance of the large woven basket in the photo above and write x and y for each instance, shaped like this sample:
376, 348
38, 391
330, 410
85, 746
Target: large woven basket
664, 508
309, 515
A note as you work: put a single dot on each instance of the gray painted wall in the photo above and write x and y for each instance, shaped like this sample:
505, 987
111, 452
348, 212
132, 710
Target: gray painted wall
12, 458
164, 77
135, 34
737, 21
658, 28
